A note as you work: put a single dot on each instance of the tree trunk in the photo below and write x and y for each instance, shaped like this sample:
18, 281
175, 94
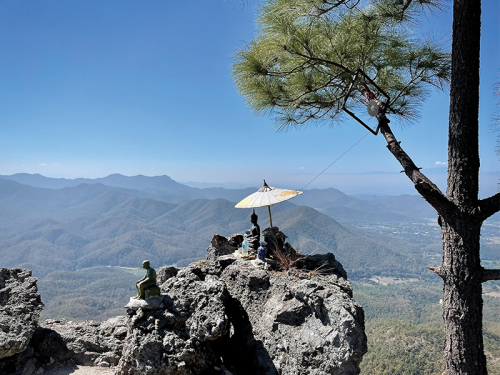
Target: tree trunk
460, 213
462, 301
461, 269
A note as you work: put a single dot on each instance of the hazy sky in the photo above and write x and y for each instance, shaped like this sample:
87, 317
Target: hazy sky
90, 88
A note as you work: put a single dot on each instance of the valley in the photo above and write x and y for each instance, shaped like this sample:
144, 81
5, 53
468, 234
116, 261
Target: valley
85, 242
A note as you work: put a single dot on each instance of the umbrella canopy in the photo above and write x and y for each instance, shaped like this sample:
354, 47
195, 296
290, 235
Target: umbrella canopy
267, 196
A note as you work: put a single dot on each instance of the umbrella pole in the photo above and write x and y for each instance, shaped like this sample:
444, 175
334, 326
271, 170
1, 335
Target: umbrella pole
270, 218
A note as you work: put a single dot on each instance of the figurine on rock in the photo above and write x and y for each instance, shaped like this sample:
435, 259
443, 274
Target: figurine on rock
254, 237
146, 287
262, 251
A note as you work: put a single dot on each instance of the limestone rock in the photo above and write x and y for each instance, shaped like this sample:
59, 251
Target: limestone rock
165, 273
296, 325
325, 263
180, 337
236, 240
220, 246
20, 308
251, 320
86, 343
224, 314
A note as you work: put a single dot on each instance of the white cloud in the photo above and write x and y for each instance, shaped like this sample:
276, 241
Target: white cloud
301, 168
57, 165
43, 164
441, 163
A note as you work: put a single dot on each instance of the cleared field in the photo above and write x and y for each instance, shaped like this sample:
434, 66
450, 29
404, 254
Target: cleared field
391, 280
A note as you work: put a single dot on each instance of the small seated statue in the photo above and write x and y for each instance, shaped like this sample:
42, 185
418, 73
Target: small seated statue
147, 282
262, 251
254, 237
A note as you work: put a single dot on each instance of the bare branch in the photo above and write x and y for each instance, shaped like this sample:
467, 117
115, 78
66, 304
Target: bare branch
320, 11
312, 58
427, 189
490, 275
405, 7
437, 270
488, 207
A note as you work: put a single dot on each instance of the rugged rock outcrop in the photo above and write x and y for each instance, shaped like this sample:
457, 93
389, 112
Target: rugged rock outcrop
226, 315
181, 336
61, 342
165, 273
253, 321
20, 308
87, 343
220, 245
27, 346
293, 324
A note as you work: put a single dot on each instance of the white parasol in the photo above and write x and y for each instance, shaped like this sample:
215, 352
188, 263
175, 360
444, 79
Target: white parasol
267, 196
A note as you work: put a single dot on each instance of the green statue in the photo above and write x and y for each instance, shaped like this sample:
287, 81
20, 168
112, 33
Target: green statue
147, 281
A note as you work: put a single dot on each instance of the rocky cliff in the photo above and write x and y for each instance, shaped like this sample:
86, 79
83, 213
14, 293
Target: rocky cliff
220, 316
20, 309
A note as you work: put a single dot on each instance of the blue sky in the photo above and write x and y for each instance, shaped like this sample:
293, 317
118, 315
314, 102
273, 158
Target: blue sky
91, 88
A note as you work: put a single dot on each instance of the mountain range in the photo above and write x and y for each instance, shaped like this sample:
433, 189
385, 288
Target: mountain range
75, 227
168, 190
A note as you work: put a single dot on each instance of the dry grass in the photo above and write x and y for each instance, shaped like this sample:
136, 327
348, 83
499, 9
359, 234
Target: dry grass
288, 258
321, 270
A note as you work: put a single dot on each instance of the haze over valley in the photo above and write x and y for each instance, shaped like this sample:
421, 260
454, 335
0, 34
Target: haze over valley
86, 238
60, 224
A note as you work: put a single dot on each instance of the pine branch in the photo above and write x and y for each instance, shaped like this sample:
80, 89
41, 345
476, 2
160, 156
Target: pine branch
411, 82
427, 189
333, 5
488, 207
317, 59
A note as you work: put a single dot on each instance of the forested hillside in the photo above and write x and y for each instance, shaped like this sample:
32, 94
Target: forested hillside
168, 190
86, 225
86, 242
404, 327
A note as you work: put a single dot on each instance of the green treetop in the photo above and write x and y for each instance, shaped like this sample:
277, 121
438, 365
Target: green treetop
302, 61
299, 68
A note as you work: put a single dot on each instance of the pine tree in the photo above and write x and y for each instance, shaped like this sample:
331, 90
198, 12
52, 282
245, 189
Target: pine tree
298, 69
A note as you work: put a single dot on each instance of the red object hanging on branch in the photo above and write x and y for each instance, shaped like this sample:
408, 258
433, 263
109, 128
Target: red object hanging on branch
367, 97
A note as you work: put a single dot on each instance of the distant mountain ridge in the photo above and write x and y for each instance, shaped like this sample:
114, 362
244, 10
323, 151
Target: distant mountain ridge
96, 225
168, 190
138, 182
162, 187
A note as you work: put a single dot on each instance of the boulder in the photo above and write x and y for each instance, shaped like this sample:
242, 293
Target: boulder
236, 240
275, 240
227, 312
86, 343
305, 324
181, 336
220, 246
165, 273
20, 308
324, 264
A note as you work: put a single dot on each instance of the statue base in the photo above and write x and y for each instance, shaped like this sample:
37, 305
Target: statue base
152, 291
150, 303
